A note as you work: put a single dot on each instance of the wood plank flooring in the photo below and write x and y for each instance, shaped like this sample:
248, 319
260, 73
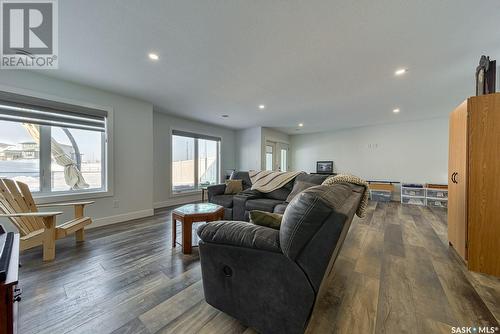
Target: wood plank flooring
395, 274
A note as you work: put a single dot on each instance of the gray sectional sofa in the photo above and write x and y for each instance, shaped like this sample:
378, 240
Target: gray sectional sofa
237, 207
270, 279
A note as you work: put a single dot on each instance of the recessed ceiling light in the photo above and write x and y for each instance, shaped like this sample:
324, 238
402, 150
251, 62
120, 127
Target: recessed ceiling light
154, 56
262, 107
395, 110
301, 124
225, 116
401, 71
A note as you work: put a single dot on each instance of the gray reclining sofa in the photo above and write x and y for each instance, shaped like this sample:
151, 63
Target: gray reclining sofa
238, 206
270, 279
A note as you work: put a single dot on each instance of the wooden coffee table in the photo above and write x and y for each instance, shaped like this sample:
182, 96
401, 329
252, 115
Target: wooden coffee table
189, 214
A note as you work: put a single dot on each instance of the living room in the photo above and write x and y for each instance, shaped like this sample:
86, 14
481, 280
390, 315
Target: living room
249, 167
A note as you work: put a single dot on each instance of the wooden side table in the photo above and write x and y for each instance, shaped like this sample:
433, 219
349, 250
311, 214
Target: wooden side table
189, 214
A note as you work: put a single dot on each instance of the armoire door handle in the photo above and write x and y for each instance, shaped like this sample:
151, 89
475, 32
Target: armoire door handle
453, 177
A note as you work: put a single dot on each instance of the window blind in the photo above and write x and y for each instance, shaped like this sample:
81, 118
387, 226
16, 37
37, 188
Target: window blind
194, 135
28, 109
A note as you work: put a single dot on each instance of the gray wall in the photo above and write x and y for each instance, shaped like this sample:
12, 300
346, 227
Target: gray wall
249, 148
141, 142
408, 152
163, 124
412, 152
132, 142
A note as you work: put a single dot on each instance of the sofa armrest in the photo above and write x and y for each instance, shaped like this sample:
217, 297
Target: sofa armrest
214, 190
240, 234
250, 194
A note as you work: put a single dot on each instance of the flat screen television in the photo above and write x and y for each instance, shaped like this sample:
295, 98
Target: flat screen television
324, 167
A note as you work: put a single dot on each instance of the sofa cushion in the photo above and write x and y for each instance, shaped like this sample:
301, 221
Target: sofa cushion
241, 234
233, 187
268, 219
281, 193
262, 204
223, 200
280, 208
298, 187
239, 175
312, 178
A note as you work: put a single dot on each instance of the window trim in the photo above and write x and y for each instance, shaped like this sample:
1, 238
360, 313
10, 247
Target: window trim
108, 165
178, 131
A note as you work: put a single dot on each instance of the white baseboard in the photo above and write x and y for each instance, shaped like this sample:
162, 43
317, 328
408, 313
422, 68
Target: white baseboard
177, 201
121, 218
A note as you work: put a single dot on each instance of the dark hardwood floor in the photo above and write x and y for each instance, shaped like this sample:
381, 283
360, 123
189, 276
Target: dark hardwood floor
395, 274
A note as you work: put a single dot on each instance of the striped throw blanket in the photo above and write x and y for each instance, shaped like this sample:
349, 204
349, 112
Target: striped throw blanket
266, 181
361, 211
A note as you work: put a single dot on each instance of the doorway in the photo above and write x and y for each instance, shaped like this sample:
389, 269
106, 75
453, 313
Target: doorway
277, 156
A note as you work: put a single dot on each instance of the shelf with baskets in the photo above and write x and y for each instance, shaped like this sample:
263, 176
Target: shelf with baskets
381, 191
413, 193
437, 196
434, 195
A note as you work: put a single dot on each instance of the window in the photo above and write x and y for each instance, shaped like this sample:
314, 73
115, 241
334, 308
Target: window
269, 157
51, 149
283, 160
85, 149
195, 161
182, 163
208, 163
19, 155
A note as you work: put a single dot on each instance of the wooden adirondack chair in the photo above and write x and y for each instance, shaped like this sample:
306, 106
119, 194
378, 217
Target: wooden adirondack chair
39, 228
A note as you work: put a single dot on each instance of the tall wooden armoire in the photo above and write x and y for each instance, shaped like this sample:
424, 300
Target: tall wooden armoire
474, 183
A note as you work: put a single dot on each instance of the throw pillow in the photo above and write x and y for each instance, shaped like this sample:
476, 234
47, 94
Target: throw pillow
233, 187
268, 219
299, 187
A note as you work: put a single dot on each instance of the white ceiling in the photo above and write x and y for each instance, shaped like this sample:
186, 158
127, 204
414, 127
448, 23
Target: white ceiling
329, 64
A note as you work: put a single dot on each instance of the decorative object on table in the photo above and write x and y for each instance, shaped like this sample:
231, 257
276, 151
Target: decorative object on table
413, 193
474, 183
268, 219
39, 228
233, 187
485, 76
228, 173
189, 214
341, 178
324, 167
